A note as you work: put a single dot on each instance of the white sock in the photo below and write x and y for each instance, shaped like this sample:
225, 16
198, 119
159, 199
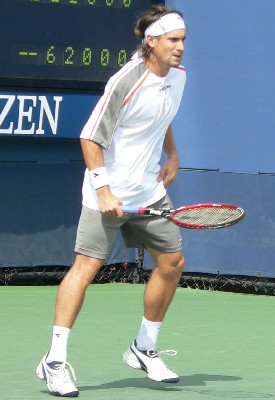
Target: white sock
58, 351
148, 335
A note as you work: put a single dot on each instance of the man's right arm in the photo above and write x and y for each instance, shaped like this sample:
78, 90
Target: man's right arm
93, 157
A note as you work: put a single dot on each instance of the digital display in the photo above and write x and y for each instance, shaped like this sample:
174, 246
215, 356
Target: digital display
68, 44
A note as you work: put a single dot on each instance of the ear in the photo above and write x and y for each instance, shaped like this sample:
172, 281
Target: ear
150, 41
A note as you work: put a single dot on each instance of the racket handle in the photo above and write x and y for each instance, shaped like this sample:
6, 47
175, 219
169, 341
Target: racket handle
129, 209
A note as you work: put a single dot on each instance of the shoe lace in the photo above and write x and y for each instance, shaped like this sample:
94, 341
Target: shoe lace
66, 370
156, 361
154, 353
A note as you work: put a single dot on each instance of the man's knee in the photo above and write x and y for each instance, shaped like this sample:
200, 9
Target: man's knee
178, 263
85, 268
173, 266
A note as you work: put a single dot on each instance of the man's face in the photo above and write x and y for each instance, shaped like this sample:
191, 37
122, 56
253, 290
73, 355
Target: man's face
168, 48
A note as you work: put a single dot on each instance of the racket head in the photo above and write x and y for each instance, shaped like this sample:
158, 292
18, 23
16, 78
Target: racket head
207, 216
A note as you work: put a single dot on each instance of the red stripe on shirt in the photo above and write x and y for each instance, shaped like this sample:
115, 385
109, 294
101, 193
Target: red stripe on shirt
134, 91
108, 95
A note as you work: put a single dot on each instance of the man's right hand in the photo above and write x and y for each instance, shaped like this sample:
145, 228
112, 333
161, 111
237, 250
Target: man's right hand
108, 203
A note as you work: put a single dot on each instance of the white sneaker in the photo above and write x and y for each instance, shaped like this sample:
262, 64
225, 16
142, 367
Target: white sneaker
150, 362
58, 377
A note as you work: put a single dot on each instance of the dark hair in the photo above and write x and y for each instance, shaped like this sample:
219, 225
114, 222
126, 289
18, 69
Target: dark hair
146, 19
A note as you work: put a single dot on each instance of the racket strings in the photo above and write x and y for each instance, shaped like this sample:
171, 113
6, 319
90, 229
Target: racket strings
207, 216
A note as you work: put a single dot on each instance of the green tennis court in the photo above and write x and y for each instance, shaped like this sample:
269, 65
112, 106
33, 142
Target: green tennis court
225, 344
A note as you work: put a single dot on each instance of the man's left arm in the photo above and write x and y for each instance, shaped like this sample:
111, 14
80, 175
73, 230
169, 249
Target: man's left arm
170, 168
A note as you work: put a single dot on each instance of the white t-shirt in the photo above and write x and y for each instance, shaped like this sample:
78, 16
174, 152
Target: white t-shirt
130, 122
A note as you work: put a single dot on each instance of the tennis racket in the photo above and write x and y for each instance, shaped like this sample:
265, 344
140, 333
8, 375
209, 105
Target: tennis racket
196, 216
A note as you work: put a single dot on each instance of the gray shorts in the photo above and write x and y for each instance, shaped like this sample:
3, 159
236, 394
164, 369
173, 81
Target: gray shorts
96, 233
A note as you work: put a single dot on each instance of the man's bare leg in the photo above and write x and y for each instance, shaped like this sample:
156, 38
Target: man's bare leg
158, 295
71, 292
162, 284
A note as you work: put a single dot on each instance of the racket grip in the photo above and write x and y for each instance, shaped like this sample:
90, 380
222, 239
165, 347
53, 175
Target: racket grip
129, 209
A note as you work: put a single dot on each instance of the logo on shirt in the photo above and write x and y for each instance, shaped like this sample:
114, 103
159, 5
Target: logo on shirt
164, 88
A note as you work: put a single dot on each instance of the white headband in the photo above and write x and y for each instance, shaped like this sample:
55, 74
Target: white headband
167, 23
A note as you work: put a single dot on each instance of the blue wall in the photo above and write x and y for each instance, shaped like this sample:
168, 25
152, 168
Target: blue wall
243, 249
40, 203
224, 131
227, 119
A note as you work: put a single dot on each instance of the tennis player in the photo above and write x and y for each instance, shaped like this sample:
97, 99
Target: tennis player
122, 144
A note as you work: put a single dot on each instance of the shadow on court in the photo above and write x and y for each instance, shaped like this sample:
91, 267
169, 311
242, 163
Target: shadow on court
185, 381
182, 386
195, 380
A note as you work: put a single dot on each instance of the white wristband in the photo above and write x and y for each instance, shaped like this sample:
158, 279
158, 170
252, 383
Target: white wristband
99, 177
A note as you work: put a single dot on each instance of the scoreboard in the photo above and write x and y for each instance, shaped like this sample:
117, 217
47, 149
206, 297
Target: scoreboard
55, 58
66, 44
